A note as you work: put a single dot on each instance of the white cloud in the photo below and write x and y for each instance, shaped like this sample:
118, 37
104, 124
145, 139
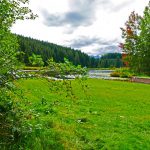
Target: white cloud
66, 21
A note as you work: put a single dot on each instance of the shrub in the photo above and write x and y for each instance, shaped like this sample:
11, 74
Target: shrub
115, 74
123, 73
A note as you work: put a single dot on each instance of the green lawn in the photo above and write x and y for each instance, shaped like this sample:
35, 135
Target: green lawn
108, 115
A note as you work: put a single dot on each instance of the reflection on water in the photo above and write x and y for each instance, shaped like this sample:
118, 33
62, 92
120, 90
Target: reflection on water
104, 74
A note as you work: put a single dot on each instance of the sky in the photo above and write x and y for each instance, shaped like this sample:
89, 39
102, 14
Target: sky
92, 26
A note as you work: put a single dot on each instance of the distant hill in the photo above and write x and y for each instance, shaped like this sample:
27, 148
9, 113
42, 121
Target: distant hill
47, 50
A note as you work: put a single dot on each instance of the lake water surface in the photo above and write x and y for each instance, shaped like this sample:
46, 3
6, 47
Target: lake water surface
101, 74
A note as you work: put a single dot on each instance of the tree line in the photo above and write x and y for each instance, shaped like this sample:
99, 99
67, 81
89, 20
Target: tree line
111, 60
41, 51
30, 47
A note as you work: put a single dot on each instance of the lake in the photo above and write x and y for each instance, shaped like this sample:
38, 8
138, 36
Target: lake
100, 73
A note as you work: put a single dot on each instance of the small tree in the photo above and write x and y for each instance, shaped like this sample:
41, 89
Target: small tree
131, 36
36, 60
10, 12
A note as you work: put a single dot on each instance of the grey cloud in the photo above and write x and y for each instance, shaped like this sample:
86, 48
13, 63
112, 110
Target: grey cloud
82, 13
102, 46
84, 41
106, 49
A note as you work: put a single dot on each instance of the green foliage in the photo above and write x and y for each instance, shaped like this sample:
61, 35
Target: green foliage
111, 60
136, 35
115, 74
10, 113
8, 45
145, 41
123, 73
10, 11
36, 60
10, 117
63, 69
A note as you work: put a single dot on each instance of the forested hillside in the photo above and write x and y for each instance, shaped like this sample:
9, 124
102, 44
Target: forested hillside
29, 46
111, 60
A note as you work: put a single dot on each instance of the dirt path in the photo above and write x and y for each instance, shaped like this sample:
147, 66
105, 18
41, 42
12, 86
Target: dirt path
140, 80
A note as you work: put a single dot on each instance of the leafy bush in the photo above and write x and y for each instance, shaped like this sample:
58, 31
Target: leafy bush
123, 73
10, 118
115, 74
36, 60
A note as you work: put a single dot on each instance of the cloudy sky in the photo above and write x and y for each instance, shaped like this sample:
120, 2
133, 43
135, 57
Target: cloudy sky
92, 26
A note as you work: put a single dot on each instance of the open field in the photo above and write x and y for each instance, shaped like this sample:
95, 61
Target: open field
108, 115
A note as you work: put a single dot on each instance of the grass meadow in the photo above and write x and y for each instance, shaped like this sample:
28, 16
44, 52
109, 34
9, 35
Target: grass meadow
107, 115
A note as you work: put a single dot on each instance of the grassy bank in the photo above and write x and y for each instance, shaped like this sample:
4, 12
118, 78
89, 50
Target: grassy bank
107, 115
